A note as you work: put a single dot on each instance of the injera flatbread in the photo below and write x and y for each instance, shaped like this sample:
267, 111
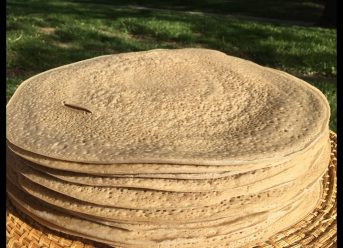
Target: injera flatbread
96, 212
152, 199
184, 106
251, 218
236, 182
103, 233
127, 170
285, 171
179, 171
262, 201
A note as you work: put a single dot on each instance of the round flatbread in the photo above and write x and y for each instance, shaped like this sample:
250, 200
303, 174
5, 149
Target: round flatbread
164, 171
184, 106
228, 235
241, 183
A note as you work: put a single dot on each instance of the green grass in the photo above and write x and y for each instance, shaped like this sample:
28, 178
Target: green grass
298, 10
45, 34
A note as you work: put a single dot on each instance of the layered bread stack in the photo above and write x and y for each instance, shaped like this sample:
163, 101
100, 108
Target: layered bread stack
167, 148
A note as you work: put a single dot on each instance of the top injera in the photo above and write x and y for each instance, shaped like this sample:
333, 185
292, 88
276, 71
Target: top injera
185, 106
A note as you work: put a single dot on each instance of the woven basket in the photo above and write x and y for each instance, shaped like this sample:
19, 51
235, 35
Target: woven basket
318, 229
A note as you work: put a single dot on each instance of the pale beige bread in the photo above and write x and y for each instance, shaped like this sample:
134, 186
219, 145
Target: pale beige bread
30, 189
77, 207
252, 171
231, 239
163, 171
177, 171
235, 206
254, 180
132, 226
167, 148
225, 212
114, 236
279, 225
194, 228
184, 106
226, 209
152, 199
237, 182
136, 169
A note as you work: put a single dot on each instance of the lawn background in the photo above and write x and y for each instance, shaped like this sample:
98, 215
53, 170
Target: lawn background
281, 34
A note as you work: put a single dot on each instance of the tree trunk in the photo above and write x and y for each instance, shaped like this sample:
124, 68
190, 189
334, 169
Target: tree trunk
329, 16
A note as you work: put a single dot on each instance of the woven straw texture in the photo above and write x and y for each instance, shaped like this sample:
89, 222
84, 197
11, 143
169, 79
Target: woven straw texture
318, 229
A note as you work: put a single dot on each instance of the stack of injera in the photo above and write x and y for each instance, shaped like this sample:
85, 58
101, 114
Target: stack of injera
167, 148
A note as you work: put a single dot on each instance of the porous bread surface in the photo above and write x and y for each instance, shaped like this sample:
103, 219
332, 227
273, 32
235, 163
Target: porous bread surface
152, 199
167, 148
227, 211
139, 170
184, 106
236, 181
36, 191
177, 171
232, 206
171, 185
235, 222
115, 236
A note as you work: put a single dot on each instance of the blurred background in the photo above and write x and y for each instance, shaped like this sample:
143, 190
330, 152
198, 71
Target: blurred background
296, 36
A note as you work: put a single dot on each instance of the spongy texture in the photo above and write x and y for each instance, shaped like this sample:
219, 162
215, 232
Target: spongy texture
237, 205
188, 106
151, 199
179, 171
184, 182
167, 148
235, 233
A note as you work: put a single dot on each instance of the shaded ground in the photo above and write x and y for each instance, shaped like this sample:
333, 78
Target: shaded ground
45, 34
296, 10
